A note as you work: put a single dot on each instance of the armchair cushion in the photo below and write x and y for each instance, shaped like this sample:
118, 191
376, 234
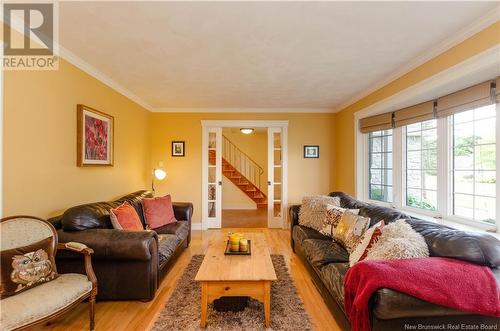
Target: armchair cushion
27, 266
44, 300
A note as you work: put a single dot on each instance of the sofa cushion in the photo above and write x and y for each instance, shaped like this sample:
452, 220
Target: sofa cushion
167, 244
179, 228
96, 215
300, 233
332, 276
391, 304
378, 213
320, 252
477, 247
43, 300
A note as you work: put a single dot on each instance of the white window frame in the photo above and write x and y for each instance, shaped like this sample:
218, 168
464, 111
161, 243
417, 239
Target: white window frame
445, 173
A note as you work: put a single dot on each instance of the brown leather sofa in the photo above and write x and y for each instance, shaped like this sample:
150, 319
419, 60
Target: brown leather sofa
128, 264
390, 310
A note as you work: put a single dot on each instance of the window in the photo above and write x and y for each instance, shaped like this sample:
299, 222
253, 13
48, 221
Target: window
445, 167
421, 165
474, 164
380, 165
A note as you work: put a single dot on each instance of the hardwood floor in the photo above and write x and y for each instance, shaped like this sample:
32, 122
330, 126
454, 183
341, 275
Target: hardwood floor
244, 218
136, 315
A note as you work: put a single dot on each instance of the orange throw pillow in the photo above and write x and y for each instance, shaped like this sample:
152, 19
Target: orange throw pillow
158, 211
124, 217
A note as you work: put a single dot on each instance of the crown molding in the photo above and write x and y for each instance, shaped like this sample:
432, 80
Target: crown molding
462, 35
78, 62
244, 110
486, 62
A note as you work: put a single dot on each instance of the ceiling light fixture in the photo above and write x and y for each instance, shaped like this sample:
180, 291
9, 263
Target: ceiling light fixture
246, 130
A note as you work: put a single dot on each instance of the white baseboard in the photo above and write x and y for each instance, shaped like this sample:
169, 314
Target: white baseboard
196, 226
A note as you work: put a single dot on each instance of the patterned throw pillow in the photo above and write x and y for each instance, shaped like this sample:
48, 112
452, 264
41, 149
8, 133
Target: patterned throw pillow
313, 210
369, 239
27, 266
351, 229
332, 219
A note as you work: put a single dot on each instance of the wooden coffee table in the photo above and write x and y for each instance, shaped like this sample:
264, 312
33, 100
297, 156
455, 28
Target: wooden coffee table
236, 275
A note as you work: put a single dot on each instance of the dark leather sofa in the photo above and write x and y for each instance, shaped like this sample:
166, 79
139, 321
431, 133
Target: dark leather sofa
128, 264
390, 310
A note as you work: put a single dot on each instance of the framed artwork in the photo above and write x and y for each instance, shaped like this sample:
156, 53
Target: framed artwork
94, 137
178, 148
311, 151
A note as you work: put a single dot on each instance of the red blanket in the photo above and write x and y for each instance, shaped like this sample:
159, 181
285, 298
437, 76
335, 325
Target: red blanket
447, 282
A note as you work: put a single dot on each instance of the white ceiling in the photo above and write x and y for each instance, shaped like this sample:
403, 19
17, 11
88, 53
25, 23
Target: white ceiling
256, 54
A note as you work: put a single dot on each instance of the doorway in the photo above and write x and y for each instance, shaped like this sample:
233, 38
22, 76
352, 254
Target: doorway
224, 163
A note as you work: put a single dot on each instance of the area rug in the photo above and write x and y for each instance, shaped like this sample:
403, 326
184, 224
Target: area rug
182, 310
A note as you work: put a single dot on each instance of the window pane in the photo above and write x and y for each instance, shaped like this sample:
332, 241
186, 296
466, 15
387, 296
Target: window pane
380, 165
421, 165
484, 156
485, 183
474, 164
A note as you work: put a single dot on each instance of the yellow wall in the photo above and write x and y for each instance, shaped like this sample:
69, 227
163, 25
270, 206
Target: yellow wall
305, 176
255, 146
344, 120
40, 173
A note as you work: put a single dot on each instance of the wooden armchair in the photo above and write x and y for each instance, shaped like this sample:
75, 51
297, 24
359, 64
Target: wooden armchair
50, 300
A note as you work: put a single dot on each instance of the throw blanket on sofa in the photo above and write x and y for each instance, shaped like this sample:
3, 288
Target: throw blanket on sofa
448, 282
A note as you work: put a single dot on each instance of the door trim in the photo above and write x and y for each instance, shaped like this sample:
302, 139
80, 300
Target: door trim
209, 124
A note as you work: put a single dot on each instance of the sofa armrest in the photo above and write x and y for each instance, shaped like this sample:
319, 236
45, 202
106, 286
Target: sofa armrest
56, 221
294, 215
112, 244
87, 252
183, 211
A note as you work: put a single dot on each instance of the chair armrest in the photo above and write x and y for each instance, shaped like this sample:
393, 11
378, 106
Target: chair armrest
183, 211
113, 244
76, 247
87, 252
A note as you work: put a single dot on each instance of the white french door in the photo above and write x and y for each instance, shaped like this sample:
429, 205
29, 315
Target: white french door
212, 177
276, 193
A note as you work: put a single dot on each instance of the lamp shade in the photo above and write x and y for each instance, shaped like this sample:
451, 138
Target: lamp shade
160, 174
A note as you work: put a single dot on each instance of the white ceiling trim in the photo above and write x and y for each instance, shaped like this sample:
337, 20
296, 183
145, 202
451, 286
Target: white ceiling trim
243, 110
461, 36
78, 62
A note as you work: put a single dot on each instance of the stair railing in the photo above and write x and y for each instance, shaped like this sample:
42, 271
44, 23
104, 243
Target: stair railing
242, 162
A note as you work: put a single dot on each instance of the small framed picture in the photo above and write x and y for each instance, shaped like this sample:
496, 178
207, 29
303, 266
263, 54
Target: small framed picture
178, 148
311, 151
94, 137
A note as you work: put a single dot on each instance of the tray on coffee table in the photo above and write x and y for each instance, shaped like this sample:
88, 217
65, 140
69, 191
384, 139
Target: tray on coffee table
248, 252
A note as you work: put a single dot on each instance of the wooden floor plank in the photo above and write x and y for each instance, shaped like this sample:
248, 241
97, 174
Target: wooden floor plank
140, 316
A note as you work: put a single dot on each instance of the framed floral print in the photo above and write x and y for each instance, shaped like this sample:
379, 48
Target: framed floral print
94, 137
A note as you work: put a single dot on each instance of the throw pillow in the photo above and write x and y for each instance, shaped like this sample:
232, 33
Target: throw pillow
158, 211
398, 241
124, 217
332, 219
27, 266
369, 239
313, 210
350, 229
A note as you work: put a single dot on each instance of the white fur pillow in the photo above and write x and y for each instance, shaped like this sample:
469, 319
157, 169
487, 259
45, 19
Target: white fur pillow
398, 241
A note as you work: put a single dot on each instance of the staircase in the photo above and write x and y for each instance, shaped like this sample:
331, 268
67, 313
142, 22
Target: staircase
242, 171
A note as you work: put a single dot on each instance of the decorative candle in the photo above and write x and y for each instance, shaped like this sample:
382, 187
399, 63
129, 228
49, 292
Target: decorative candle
243, 245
